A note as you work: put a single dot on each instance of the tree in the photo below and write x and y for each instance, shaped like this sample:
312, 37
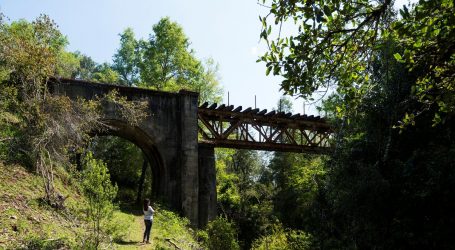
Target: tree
245, 164
296, 179
126, 59
165, 62
167, 59
426, 34
105, 74
87, 67
240, 195
281, 163
100, 194
380, 181
68, 65
221, 235
337, 41
168, 63
30, 51
388, 71
209, 86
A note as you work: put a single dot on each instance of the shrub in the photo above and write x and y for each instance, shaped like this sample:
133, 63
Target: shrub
221, 235
202, 236
283, 239
100, 193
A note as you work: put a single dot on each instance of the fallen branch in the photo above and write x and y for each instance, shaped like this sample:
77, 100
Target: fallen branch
172, 243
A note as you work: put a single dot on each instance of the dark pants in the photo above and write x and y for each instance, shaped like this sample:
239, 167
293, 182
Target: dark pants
148, 228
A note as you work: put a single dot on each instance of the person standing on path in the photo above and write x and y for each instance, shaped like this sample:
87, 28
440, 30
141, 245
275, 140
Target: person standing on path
148, 219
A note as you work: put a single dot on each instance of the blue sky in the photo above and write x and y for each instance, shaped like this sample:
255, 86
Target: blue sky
226, 30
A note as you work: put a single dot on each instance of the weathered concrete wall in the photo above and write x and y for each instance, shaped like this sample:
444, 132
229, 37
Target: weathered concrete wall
168, 136
189, 155
207, 184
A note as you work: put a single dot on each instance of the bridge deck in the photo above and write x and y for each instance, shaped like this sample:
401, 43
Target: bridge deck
230, 127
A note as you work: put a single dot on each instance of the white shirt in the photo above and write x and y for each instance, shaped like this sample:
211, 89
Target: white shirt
148, 215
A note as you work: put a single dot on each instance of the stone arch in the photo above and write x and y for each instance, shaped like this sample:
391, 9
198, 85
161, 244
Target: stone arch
142, 140
168, 135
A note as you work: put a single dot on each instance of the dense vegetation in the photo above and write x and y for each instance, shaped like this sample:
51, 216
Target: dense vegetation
387, 83
389, 76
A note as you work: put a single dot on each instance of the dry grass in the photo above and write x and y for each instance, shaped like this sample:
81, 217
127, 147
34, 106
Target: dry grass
23, 215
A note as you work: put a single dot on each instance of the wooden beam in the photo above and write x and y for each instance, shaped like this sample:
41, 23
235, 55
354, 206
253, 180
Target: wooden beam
255, 129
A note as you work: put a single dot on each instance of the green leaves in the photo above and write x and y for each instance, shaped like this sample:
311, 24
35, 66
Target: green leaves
167, 57
100, 193
127, 58
166, 62
267, 72
96, 182
334, 40
324, 49
31, 51
425, 32
222, 235
399, 58
327, 10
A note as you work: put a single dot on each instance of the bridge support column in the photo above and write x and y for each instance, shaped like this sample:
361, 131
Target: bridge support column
207, 184
189, 155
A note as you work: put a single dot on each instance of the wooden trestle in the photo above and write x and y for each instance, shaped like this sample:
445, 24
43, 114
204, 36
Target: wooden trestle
229, 127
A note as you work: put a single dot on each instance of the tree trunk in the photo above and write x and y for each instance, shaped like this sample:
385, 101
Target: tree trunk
141, 181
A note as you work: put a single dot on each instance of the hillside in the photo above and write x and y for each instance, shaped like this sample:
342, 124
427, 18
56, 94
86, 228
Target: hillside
28, 223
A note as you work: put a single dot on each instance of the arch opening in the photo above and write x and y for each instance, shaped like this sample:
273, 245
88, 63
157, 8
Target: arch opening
122, 132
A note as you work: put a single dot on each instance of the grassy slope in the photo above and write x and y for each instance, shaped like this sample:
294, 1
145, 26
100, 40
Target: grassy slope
23, 216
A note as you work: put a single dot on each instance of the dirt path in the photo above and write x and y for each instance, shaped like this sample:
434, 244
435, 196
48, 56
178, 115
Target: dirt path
169, 231
133, 239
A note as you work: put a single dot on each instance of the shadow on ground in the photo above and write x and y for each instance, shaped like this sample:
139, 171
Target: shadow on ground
128, 242
131, 208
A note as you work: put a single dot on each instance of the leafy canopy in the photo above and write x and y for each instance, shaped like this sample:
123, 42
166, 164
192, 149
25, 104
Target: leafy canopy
336, 43
126, 59
166, 62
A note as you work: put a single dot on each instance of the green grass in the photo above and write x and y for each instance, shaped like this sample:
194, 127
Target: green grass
167, 227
